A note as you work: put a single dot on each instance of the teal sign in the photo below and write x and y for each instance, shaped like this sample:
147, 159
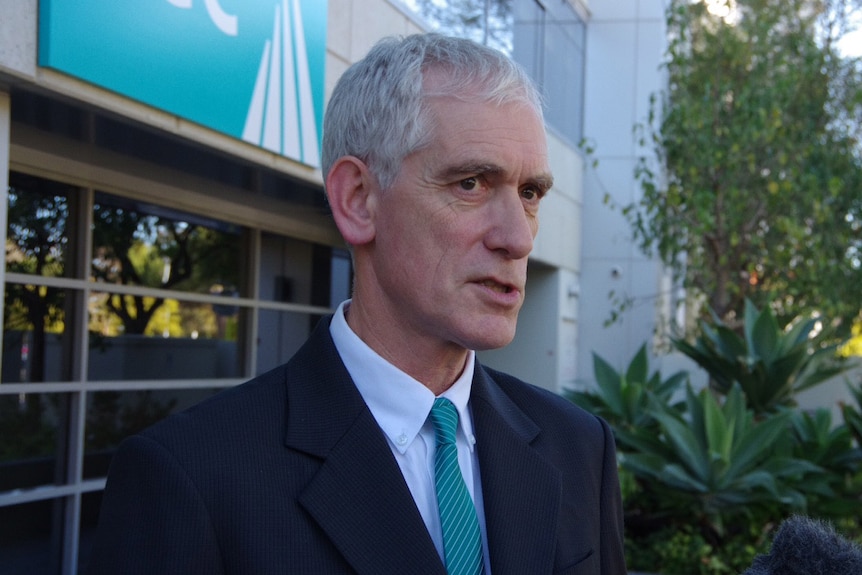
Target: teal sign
252, 69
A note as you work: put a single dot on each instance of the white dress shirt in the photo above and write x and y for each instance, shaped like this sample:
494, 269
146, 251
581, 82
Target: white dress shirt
401, 406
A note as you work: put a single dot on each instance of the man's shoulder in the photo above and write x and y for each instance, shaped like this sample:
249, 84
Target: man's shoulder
259, 401
232, 410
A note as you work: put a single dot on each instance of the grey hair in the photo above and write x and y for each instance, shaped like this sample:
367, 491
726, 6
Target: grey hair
378, 113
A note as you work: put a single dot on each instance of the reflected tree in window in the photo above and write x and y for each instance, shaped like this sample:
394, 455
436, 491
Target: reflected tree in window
115, 415
23, 433
135, 246
36, 244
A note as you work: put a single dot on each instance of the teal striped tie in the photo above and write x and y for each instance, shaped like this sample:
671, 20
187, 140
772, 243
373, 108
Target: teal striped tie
462, 541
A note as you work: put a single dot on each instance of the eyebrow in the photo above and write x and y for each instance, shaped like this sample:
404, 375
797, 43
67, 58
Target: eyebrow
459, 170
544, 181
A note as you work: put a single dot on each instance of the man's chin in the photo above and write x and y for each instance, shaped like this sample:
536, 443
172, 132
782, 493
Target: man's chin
493, 337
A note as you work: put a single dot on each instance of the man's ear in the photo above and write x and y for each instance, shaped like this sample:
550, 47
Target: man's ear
352, 192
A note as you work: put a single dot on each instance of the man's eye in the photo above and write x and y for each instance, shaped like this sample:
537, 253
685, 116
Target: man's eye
469, 184
531, 194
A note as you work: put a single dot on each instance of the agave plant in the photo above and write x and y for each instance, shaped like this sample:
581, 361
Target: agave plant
770, 363
716, 461
835, 491
623, 398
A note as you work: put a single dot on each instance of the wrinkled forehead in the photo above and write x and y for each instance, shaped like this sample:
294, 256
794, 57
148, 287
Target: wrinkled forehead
442, 80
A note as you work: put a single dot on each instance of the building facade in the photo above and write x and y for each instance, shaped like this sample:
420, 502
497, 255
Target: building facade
166, 230
626, 45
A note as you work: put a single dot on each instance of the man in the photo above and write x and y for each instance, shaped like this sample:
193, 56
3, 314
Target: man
435, 158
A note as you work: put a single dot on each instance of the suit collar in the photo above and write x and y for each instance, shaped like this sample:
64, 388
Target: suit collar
358, 496
359, 483
322, 402
520, 490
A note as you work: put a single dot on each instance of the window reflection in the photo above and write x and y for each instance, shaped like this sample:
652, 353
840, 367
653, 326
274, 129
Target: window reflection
549, 41
36, 244
182, 340
146, 245
487, 22
34, 321
153, 336
547, 38
168, 318
37, 239
31, 439
280, 335
106, 289
293, 271
91, 504
114, 415
30, 537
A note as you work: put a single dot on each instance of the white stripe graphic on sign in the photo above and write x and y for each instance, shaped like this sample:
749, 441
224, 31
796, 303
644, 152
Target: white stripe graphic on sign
281, 114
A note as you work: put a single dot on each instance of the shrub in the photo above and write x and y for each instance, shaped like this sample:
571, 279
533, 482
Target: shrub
769, 362
715, 463
623, 398
834, 492
706, 479
682, 550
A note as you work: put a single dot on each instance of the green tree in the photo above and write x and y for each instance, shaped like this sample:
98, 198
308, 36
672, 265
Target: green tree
757, 192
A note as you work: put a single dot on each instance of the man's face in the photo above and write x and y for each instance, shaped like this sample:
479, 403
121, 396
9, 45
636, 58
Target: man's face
454, 231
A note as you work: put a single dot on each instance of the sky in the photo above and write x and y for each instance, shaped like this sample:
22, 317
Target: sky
851, 44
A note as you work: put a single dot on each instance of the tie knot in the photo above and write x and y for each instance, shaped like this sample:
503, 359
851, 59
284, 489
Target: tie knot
444, 416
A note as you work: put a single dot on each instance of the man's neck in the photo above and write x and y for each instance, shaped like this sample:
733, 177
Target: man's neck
435, 365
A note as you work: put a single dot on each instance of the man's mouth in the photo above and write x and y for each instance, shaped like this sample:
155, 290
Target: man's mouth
497, 287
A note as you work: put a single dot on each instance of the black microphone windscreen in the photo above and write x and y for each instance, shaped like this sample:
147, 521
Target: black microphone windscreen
805, 546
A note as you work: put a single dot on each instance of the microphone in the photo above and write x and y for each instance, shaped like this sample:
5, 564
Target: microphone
805, 546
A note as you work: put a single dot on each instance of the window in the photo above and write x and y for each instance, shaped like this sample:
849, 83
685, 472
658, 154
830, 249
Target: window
547, 37
119, 311
549, 41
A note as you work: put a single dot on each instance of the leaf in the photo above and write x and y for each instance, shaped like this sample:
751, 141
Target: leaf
686, 446
644, 464
770, 366
609, 384
757, 442
764, 335
718, 435
638, 368
676, 476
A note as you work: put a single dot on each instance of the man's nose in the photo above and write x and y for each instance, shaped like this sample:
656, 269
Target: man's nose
512, 228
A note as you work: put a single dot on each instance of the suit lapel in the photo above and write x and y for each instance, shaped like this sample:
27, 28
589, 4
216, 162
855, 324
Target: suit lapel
358, 497
520, 490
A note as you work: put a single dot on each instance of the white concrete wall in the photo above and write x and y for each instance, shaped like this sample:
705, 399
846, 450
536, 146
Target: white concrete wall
558, 242
832, 393
18, 37
625, 45
355, 25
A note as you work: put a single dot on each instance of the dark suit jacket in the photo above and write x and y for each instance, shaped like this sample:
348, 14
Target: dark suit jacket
290, 473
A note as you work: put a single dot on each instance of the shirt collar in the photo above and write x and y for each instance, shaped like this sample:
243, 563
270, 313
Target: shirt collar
398, 402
